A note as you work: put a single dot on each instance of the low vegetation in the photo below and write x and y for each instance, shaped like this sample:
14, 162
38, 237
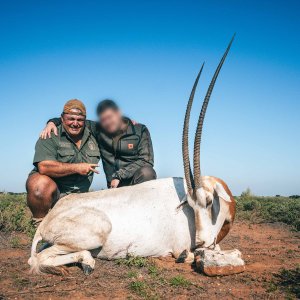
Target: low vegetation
180, 281
269, 209
133, 261
14, 214
140, 288
15, 242
146, 278
288, 281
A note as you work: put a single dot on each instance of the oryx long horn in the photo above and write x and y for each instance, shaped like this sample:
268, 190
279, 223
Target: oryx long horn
185, 138
197, 171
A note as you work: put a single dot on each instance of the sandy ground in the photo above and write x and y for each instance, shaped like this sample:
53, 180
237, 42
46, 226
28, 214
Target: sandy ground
266, 249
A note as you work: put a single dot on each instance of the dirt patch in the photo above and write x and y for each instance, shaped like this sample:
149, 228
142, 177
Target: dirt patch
266, 249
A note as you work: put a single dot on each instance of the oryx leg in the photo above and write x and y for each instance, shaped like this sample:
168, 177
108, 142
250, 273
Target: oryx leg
185, 256
72, 235
52, 258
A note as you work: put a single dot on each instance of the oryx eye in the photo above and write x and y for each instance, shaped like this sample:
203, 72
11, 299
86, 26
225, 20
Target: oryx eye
208, 202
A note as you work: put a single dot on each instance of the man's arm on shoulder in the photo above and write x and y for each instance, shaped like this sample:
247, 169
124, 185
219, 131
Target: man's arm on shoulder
53, 123
145, 157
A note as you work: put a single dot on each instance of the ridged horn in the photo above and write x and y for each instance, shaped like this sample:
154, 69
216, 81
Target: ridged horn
185, 138
197, 141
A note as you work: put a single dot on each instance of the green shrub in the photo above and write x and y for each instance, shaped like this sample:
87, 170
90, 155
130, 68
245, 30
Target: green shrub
269, 209
247, 194
180, 281
132, 274
289, 281
14, 214
133, 261
249, 205
15, 242
152, 270
139, 287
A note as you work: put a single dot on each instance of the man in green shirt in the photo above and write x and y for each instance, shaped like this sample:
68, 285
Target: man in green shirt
63, 164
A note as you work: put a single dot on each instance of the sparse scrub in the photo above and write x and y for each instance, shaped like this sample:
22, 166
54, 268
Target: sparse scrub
246, 194
145, 277
139, 287
14, 214
133, 261
132, 274
268, 209
180, 281
152, 270
289, 281
15, 242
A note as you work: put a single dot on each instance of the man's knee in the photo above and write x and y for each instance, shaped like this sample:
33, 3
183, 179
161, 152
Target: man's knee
144, 174
40, 188
40, 185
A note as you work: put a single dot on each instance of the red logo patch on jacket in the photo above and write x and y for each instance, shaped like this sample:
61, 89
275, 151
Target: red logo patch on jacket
130, 146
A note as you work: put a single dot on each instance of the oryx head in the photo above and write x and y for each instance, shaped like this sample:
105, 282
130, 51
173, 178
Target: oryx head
208, 196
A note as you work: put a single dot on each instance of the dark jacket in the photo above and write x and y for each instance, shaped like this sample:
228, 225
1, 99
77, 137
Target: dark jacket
132, 151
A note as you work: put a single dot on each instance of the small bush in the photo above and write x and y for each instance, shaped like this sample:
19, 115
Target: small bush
139, 287
14, 214
15, 242
152, 270
246, 194
294, 196
249, 205
180, 281
132, 261
289, 281
269, 209
132, 274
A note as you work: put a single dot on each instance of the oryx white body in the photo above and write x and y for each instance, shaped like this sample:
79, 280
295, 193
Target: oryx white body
142, 220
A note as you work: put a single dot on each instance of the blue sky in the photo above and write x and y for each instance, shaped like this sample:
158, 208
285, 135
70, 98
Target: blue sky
145, 55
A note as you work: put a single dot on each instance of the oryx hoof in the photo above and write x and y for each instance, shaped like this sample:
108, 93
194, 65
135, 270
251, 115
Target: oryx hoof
182, 257
87, 269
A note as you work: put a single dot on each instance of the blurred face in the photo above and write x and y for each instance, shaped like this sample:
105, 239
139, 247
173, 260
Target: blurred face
111, 120
73, 124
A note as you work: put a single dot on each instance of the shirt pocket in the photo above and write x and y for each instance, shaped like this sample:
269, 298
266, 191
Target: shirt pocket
66, 155
129, 146
92, 156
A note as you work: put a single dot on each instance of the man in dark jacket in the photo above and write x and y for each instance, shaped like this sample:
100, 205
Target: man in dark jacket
126, 148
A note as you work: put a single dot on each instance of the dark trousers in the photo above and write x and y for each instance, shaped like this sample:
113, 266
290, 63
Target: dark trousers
141, 175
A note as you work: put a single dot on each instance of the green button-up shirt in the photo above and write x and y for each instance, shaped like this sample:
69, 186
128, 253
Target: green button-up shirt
61, 148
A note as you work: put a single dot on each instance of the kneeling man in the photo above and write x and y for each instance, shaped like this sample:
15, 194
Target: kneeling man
64, 163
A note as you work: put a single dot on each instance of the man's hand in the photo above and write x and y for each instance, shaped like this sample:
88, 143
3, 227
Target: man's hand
47, 131
114, 183
85, 168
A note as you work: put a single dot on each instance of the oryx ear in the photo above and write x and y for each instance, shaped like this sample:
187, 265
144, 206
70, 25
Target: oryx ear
221, 192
